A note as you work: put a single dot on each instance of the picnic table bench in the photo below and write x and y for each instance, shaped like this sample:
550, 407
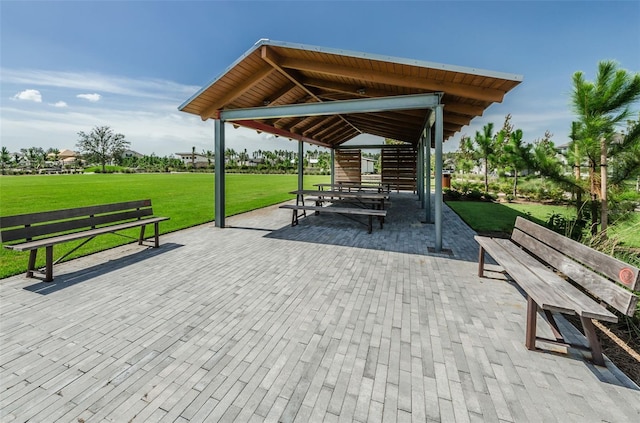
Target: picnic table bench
376, 200
561, 275
49, 228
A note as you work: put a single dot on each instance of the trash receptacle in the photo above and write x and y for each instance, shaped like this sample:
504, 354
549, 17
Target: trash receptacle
446, 180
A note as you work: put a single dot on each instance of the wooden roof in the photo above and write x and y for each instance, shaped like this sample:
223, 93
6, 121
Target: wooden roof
279, 73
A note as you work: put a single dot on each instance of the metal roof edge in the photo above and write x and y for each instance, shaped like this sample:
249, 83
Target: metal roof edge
394, 59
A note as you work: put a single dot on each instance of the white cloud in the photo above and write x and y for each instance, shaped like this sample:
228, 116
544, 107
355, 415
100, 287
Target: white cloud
60, 104
95, 97
96, 82
29, 95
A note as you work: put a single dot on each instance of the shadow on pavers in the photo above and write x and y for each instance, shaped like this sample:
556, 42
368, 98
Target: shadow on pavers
67, 280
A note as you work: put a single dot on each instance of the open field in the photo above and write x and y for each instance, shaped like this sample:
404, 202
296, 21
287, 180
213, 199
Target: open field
186, 198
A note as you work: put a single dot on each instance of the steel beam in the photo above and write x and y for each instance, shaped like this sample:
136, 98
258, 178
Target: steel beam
365, 105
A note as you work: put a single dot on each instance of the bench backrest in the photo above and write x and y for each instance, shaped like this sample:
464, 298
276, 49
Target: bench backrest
596, 272
35, 225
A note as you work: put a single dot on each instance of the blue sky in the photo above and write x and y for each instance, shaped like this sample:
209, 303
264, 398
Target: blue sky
66, 67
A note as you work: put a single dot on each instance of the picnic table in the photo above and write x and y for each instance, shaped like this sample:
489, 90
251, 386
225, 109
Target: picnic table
361, 198
369, 204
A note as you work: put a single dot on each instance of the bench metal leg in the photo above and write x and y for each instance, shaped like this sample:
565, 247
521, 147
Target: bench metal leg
157, 235
141, 238
594, 342
554, 326
481, 262
49, 265
532, 315
32, 263
370, 224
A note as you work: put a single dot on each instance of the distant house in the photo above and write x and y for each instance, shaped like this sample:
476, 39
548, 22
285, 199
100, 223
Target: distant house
127, 154
67, 154
196, 160
367, 165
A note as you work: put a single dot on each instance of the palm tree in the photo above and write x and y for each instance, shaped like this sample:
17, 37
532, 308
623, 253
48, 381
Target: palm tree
601, 106
485, 147
210, 155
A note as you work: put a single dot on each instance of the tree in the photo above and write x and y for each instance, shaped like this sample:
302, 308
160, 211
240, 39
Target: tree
5, 158
210, 155
601, 106
625, 154
517, 155
465, 157
53, 154
484, 144
35, 156
101, 144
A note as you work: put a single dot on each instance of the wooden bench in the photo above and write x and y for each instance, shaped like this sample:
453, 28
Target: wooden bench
346, 211
46, 229
561, 275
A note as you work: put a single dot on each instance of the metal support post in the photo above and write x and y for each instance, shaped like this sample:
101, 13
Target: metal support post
427, 161
300, 165
438, 175
219, 195
420, 173
333, 166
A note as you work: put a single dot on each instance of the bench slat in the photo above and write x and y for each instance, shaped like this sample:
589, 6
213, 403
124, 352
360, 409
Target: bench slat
47, 242
583, 305
611, 267
48, 216
70, 225
530, 283
618, 297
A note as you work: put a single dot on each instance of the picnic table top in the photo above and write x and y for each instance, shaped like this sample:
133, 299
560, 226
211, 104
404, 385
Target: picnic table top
343, 194
350, 186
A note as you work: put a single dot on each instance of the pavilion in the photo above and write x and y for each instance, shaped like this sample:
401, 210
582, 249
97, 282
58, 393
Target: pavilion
326, 97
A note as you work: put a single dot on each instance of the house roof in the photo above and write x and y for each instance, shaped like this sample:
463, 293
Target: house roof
274, 73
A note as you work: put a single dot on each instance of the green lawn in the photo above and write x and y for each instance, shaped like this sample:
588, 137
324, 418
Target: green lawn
187, 198
500, 217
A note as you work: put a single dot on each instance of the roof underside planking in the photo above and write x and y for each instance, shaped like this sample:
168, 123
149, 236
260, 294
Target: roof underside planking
274, 73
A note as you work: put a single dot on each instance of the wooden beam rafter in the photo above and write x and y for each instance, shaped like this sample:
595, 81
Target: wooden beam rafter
236, 92
259, 126
461, 90
274, 60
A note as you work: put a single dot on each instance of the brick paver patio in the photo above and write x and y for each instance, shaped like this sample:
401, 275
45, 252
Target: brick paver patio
265, 322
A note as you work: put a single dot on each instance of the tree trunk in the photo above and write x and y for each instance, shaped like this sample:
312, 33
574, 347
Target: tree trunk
486, 175
594, 199
515, 183
604, 212
576, 172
